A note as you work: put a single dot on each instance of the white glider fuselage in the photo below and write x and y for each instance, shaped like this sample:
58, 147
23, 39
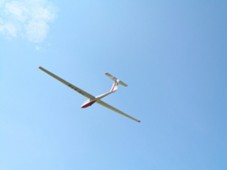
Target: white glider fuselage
90, 102
114, 88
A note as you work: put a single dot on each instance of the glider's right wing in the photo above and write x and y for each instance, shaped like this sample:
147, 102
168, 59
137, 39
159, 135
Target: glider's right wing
84, 93
116, 110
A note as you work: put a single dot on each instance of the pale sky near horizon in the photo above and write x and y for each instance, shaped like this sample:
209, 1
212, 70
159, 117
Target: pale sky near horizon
171, 54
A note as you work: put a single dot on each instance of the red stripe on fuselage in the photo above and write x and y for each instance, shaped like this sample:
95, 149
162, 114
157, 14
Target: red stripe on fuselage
88, 104
112, 89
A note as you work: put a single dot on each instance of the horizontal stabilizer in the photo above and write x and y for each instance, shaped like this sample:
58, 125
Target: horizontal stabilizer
116, 79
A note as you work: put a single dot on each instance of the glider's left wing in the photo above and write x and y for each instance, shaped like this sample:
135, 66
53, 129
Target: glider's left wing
116, 110
84, 93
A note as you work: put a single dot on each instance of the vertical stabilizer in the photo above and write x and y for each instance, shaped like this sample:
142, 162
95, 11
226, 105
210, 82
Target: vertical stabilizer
116, 82
114, 87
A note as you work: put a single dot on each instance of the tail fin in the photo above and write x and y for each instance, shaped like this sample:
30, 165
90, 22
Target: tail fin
116, 82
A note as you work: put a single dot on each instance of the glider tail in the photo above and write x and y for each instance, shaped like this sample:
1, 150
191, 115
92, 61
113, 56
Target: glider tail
116, 82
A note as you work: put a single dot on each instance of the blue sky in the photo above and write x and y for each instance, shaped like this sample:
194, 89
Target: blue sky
171, 54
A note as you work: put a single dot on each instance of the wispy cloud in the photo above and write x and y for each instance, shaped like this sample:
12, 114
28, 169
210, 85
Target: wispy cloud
28, 19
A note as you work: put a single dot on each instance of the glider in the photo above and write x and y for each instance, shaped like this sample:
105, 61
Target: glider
95, 99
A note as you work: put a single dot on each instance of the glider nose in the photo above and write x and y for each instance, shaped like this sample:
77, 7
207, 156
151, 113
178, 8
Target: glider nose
87, 104
83, 106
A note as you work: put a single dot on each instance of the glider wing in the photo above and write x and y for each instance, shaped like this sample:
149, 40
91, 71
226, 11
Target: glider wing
116, 110
84, 93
